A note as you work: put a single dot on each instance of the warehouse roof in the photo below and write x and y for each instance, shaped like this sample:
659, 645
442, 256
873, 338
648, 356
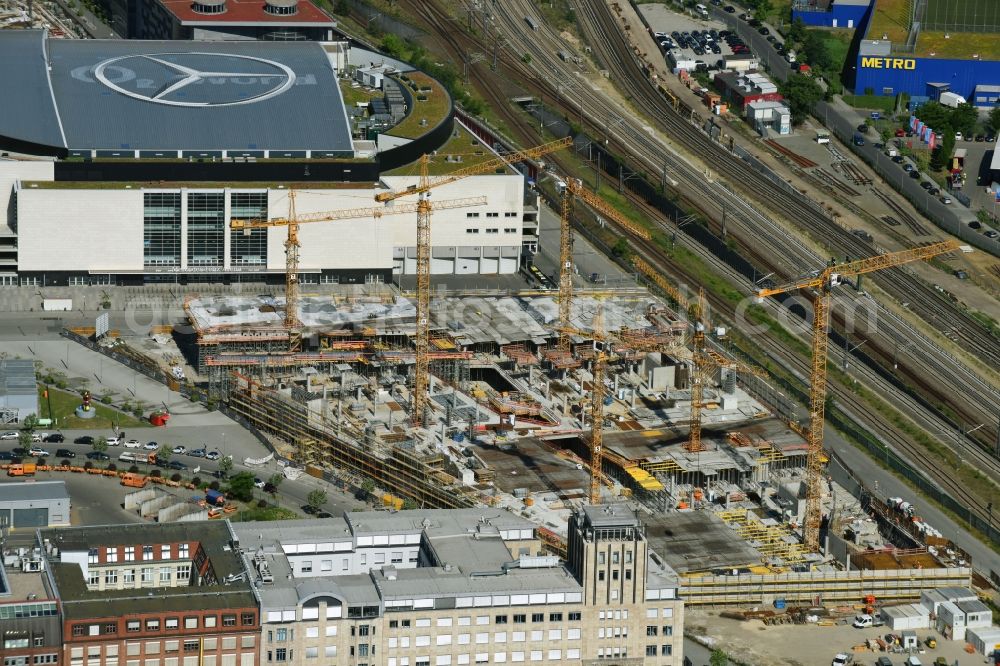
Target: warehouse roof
114, 95
17, 377
33, 491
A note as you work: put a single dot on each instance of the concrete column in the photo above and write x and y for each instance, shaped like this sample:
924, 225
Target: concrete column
226, 238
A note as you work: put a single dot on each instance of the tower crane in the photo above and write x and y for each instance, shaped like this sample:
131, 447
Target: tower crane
424, 207
703, 359
574, 189
292, 245
822, 284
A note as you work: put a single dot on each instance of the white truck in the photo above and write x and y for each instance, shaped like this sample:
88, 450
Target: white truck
842, 659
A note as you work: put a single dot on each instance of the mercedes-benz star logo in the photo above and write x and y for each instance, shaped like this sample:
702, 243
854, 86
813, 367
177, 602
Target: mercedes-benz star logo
173, 83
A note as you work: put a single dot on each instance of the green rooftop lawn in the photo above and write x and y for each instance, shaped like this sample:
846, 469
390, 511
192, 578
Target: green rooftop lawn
461, 143
433, 109
959, 45
890, 18
353, 94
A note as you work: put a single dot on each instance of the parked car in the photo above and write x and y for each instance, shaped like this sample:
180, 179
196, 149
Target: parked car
258, 482
98, 455
914, 174
926, 185
177, 464
9, 435
980, 138
992, 234
909, 167
85, 439
961, 275
114, 440
975, 224
55, 438
324, 514
6, 455
65, 453
764, 30
19, 452
898, 159
213, 455
38, 452
180, 449
883, 661
863, 621
197, 453
132, 444
729, 9
151, 446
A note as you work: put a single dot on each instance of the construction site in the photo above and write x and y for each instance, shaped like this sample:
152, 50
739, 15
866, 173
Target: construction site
539, 401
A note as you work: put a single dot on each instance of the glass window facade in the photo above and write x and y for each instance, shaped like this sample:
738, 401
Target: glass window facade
248, 247
206, 228
161, 231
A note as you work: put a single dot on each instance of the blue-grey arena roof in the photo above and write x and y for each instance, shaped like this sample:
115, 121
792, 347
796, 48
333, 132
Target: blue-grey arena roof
109, 95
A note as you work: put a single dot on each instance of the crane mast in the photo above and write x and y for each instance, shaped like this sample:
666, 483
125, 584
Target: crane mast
823, 284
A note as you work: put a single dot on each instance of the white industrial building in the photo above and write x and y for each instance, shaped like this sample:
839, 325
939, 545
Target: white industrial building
72, 233
34, 504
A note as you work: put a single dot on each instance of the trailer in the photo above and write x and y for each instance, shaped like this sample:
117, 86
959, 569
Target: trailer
57, 304
22, 469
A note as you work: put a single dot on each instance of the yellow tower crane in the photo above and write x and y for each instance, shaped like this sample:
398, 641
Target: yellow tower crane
822, 284
574, 189
418, 402
292, 221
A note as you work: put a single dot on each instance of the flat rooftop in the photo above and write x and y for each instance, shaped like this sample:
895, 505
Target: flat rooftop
33, 491
468, 320
214, 537
698, 541
249, 12
17, 377
533, 466
24, 586
115, 95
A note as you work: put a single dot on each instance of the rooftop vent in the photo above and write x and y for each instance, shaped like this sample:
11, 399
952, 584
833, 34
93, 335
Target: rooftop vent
281, 7
209, 6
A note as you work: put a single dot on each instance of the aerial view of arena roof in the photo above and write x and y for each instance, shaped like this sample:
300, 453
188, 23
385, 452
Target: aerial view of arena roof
108, 95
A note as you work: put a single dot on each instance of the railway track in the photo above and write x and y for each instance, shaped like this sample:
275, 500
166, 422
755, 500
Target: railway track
540, 50
901, 213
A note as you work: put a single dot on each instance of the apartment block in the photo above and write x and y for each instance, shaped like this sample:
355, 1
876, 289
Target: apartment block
29, 611
460, 587
152, 595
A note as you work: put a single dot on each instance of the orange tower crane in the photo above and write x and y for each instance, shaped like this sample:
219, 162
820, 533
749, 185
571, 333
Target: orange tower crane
822, 285
292, 245
418, 403
575, 190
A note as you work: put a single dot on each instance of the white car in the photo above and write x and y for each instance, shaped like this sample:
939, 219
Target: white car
258, 483
213, 455
132, 444
9, 435
151, 446
180, 449
37, 452
114, 441
842, 659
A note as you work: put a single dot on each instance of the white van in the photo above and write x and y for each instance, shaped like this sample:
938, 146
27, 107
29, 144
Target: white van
702, 10
863, 621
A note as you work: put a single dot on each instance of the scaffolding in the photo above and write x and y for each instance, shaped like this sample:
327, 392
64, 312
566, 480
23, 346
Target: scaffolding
397, 467
774, 541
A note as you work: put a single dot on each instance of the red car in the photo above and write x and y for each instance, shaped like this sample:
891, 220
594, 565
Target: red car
900, 132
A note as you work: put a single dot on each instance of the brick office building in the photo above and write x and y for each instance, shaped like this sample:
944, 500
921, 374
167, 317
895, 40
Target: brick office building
152, 595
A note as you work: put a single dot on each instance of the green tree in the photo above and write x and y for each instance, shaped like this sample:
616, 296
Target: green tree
392, 45
24, 439
226, 465
802, 93
943, 152
316, 499
620, 248
273, 482
409, 504
934, 114
163, 454
100, 444
964, 118
815, 50
368, 486
995, 119
718, 658
797, 32
342, 7
30, 423
241, 487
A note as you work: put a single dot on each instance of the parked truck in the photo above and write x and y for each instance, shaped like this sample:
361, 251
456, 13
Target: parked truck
22, 469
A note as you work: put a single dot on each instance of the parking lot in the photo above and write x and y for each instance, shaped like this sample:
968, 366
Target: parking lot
692, 38
755, 644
